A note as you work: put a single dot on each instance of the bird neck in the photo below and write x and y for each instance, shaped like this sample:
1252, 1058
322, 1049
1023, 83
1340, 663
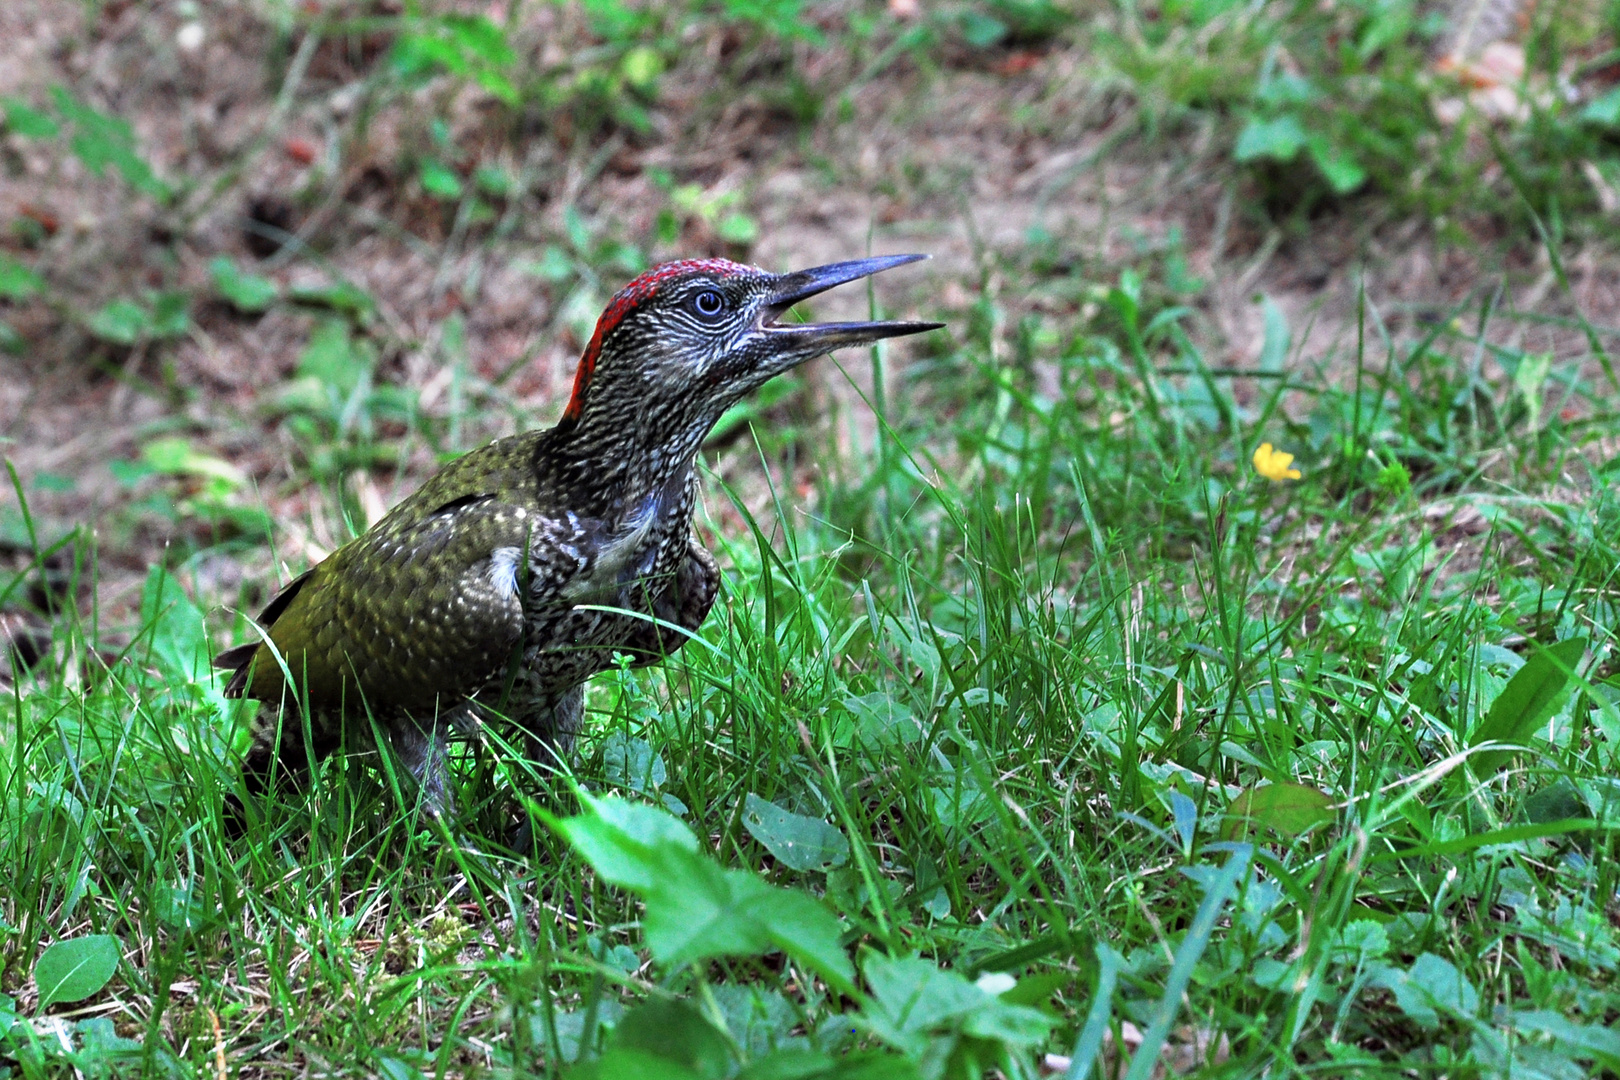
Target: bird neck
610, 474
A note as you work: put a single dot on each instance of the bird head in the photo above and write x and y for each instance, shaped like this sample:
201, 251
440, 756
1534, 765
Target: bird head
686, 340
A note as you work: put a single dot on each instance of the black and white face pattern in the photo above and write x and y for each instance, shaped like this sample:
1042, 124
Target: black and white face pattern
685, 341
704, 336
674, 364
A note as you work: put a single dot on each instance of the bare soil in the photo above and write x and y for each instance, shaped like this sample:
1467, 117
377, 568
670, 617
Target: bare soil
966, 162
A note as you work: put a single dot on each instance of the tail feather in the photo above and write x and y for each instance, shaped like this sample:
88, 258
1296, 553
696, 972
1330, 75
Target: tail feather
238, 658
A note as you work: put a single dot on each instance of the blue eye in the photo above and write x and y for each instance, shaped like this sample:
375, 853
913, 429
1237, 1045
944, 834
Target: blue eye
708, 303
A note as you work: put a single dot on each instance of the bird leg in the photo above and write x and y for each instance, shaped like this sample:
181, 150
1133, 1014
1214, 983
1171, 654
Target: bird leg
549, 733
420, 749
548, 738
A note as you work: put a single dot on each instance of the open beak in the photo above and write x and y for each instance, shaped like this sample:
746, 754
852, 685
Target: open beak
804, 340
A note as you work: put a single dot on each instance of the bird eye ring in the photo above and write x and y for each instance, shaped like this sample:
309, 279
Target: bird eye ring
708, 303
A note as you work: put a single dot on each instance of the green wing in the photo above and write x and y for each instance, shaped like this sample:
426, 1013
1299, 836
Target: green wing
414, 614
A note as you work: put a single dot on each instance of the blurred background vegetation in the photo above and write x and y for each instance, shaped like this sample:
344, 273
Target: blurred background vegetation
1101, 742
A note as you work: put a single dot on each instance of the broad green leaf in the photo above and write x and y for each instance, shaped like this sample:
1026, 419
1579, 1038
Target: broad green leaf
73, 970
494, 82
480, 37
1587, 1041
697, 910
932, 894
625, 1064
620, 956
960, 806
982, 31
641, 67
797, 1064
471, 46
18, 282
1037, 990
390, 1067
100, 140
554, 265
175, 456
331, 358
438, 180
614, 20
1014, 1025
632, 763
1528, 379
129, 473
1288, 809
756, 1018
579, 232
1431, 986
674, 1033
341, 297
122, 322
792, 1063
1361, 940
1558, 801
1278, 340
416, 55
737, 229
177, 635
1525, 702
182, 908
1284, 89
247, 293
798, 842
629, 844
714, 912
178, 645
101, 1047
881, 719
1443, 985
48, 481
1342, 172
913, 998
171, 314
495, 181
570, 1029
1278, 139
23, 119
1604, 110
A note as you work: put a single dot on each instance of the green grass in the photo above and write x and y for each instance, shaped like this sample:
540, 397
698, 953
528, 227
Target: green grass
1020, 720
1039, 724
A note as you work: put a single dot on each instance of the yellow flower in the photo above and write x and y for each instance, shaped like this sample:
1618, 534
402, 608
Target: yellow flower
1273, 464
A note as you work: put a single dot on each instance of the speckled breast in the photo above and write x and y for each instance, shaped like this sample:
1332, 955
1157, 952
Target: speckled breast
565, 644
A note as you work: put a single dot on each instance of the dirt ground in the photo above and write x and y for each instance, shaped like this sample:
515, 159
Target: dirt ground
966, 162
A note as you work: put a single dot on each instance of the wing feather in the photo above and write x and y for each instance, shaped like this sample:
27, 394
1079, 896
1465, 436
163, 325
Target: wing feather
413, 615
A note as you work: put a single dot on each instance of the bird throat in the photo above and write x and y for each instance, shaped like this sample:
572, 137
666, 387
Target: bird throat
630, 546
